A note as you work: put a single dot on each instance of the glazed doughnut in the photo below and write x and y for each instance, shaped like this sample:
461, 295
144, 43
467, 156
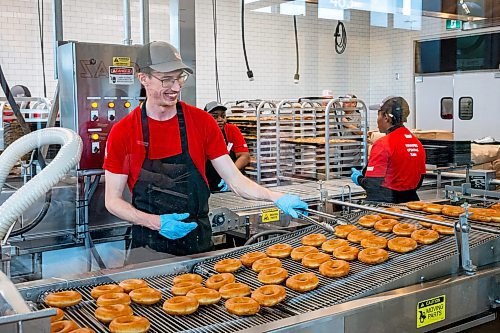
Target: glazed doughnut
357, 235
415, 205
302, 282
188, 278
127, 324
343, 230
346, 253
332, 244
402, 244
369, 220
83, 330
495, 217
242, 306
249, 258
182, 288
425, 236
234, 289
375, 242
334, 268
313, 240
58, 316
264, 263
63, 299
442, 230
453, 211
107, 313
63, 326
385, 225
113, 298
180, 305
269, 295
432, 217
218, 280
496, 206
299, 252
394, 210
273, 275
432, 208
482, 214
279, 250
145, 296
227, 265
373, 256
98, 291
205, 296
314, 260
404, 229
131, 284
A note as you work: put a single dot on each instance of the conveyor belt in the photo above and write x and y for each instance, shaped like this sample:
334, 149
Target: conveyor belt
363, 280
307, 191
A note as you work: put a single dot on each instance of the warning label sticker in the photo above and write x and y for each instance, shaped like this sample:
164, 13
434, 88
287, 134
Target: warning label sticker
121, 61
431, 311
270, 215
121, 75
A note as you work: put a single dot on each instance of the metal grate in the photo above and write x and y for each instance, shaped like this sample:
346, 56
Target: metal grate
362, 277
361, 280
213, 318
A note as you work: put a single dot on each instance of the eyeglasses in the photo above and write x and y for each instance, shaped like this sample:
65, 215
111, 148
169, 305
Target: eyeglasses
168, 81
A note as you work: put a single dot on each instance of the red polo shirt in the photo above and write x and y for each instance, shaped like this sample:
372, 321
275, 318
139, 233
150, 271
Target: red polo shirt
125, 151
399, 158
234, 136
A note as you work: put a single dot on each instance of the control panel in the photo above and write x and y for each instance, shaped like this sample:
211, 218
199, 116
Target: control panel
98, 87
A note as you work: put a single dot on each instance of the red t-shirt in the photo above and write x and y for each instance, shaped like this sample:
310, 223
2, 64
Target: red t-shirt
234, 136
398, 157
125, 151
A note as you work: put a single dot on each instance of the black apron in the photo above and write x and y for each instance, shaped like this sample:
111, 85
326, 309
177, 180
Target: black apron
212, 174
172, 185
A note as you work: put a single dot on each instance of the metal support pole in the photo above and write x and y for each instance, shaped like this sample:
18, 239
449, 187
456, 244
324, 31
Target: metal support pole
462, 229
144, 21
126, 23
58, 30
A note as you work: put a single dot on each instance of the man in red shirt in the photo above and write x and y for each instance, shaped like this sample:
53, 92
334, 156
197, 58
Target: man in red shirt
236, 146
396, 167
159, 150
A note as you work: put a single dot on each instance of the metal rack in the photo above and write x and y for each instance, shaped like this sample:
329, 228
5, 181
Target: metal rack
257, 121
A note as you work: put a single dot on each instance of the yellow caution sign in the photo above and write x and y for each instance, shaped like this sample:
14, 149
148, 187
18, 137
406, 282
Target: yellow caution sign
121, 61
431, 311
270, 215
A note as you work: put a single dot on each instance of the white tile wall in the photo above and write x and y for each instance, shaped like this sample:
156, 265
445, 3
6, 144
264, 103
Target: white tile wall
86, 21
367, 68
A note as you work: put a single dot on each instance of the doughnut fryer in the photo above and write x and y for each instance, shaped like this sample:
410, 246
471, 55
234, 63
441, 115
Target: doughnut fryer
418, 291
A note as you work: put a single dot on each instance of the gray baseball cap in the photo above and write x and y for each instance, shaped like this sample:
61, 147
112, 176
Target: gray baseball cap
213, 106
394, 106
161, 57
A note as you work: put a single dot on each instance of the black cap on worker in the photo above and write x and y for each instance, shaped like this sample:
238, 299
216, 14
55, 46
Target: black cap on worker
396, 107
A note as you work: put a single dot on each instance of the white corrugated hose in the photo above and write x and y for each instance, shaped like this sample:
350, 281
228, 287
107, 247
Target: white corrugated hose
68, 156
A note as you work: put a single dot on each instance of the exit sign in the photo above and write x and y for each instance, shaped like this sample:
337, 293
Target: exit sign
453, 24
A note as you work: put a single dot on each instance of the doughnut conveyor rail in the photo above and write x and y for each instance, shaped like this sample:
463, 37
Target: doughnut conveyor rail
344, 303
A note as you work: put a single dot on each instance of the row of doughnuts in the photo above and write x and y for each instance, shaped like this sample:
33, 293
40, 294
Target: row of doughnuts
477, 214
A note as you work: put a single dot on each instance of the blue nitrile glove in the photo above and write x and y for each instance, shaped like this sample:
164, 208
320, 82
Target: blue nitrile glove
172, 226
355, 175
289, 203
223, 186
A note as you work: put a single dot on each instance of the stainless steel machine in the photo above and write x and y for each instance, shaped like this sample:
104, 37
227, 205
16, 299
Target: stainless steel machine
432, 287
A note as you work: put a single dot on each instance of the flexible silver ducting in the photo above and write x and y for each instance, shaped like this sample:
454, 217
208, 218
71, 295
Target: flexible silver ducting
66, 159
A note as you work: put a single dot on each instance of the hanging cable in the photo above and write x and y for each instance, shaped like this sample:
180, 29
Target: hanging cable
40, 30
296, 77
214, 18
249, 71
340, 38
